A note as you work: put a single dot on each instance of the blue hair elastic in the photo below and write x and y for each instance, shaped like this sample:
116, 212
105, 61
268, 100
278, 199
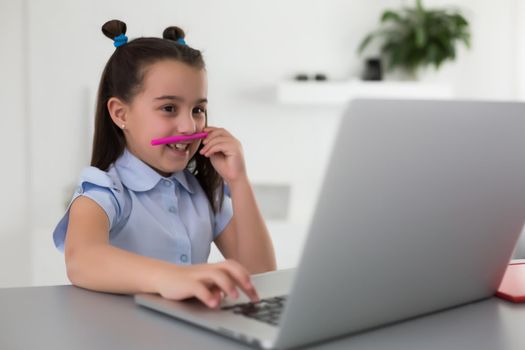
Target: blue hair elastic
181, 41
120, 40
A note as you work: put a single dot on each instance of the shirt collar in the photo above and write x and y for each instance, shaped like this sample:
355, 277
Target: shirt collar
138, 176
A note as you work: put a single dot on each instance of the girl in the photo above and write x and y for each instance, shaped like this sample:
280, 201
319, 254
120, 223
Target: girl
143, 217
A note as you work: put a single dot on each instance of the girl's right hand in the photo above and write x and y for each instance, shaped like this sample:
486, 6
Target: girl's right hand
206, 282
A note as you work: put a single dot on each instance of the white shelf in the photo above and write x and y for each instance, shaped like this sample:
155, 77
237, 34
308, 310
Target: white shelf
340, 92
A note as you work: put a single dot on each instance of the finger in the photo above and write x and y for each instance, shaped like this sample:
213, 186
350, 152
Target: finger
206, 296
226, 146
216, 131
217, 293
242, 277
224, 281
215, 140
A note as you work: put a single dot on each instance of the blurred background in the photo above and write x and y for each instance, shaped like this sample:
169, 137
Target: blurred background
258, 55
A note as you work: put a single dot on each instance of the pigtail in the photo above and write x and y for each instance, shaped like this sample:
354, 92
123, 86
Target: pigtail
114, 28
176, 35
173, 33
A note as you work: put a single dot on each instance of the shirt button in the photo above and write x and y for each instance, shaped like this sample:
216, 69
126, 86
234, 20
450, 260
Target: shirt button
172, 209
167, 183
184, 258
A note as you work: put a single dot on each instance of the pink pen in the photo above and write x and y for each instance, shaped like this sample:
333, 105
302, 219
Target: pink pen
175, 139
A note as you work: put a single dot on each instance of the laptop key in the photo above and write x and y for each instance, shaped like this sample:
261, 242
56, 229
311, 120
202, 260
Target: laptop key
265, 310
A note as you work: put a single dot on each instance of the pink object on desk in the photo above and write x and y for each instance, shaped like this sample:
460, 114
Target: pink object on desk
175, 139
512, 286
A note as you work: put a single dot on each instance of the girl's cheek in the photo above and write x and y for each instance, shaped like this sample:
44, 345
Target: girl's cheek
201, 126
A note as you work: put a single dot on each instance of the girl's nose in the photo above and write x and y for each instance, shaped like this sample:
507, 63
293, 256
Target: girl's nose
185, 124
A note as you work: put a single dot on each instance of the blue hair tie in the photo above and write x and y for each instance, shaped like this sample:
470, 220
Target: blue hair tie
181, 41
120, 40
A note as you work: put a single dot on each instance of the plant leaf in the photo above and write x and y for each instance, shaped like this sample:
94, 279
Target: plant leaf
421, 37
365, 42
390, 15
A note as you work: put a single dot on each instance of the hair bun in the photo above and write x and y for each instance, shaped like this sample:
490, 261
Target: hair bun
114, 28
173, 33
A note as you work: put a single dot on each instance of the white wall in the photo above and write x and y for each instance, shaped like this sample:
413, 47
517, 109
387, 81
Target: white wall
249, 47
519, 24
14, 206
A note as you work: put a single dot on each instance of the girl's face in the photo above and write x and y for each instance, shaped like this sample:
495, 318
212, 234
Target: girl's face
173, 101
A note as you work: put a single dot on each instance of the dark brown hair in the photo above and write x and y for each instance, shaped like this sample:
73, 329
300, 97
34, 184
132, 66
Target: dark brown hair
123, 77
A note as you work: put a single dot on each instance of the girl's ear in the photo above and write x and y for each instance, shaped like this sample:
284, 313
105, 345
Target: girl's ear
118, 111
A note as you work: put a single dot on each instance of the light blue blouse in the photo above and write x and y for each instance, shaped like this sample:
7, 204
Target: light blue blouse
168, 218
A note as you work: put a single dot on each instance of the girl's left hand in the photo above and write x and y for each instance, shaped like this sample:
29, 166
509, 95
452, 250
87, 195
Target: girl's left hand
225, 153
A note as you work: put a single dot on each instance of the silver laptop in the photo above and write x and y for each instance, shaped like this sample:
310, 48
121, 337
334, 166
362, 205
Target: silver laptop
420, 210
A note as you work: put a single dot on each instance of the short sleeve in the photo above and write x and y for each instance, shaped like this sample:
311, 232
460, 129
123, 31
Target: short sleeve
99, 186
224, 216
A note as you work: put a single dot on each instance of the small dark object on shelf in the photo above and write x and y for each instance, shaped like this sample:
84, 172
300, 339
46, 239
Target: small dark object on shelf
373, 69
301, 77
320, 77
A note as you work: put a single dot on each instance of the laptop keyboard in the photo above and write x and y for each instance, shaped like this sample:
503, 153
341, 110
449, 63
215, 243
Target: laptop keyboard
265, 310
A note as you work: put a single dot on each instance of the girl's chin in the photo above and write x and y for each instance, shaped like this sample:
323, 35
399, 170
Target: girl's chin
172, 162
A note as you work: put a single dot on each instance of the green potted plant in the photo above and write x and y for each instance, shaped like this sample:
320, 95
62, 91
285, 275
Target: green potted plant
417, 37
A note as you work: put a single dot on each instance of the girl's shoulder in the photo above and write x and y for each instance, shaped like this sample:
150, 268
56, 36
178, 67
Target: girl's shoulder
103, 187
106, 188
109, 179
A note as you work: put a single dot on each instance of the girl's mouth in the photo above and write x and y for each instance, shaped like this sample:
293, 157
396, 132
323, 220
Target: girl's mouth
179, 146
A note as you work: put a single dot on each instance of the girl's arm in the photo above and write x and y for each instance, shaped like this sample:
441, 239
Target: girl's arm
246, 238
93, 263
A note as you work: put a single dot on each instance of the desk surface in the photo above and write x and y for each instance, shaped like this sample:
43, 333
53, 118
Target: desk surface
67, 317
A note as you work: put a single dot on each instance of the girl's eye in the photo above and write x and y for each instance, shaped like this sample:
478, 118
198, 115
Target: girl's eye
199, 110
169, 108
